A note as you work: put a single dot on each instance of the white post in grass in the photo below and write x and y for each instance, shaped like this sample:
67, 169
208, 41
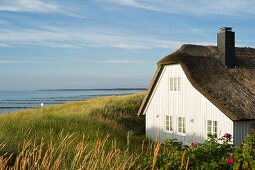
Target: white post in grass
42, 104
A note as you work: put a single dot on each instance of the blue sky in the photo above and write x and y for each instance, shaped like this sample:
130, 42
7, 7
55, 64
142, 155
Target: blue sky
53, 44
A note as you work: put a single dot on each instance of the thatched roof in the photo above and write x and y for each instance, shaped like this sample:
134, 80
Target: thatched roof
231, 90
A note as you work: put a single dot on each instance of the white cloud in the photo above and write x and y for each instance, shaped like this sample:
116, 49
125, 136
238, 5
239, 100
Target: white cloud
60, 37
197, 7
40, 6
60, 45
18, 62
4, 45
27, 6
121, 61
25, 60
78, 38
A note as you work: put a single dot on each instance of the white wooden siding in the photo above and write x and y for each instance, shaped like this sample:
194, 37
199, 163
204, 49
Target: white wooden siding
188, 103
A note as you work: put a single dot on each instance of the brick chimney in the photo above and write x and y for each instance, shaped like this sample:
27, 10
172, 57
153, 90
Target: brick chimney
226, 47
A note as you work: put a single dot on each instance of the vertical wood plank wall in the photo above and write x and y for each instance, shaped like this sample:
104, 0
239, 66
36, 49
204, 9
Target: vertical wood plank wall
188, 103
241, 130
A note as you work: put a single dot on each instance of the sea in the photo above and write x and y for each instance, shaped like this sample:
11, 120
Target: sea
20, 100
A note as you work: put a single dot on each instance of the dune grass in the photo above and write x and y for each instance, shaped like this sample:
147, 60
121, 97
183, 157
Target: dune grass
84, 124
78, 117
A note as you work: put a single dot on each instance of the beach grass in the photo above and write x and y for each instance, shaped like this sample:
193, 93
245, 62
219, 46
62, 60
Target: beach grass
84, 123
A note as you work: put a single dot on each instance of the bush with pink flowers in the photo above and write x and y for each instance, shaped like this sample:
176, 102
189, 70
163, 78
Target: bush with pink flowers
212, 154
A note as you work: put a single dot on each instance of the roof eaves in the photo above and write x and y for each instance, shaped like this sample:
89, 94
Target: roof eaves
150, 89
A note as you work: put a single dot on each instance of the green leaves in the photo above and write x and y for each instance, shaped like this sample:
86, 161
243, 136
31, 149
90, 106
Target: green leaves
244, 155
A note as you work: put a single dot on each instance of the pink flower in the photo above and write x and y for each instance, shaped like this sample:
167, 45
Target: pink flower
227, 135
194, 144
230, 161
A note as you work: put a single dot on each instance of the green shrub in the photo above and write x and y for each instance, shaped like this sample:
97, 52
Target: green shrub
244, 155
123, 112
211, 154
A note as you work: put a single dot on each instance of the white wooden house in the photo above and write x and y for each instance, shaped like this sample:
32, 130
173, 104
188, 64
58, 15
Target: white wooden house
201, 90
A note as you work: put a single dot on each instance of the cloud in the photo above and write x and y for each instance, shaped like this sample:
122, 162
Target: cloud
18, 62
4, 45
54, 37
27, 6
27, 60
120, 61
41, 6
196, 7
79, 38
60, 45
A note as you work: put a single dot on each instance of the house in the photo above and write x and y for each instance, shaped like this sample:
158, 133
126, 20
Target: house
202, 90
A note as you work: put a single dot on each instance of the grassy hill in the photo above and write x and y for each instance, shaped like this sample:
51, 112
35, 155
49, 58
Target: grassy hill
93, 134
95, 118
90, 122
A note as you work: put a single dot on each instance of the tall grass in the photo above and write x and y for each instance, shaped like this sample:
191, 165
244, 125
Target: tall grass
50, 156
78, 118
86, 134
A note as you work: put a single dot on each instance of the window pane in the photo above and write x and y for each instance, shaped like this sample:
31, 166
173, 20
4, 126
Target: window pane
175, 84
184, 125
171, 84
167, 127
167, 122
179, 84
209, 127
179, 124
171, 123
171, 88
179, 80
215, 128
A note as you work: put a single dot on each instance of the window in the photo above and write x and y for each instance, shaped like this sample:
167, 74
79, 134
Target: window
181, 125
175, 84
211, 128
169, 123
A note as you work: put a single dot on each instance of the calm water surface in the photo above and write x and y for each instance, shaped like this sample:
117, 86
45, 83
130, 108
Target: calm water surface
17, 100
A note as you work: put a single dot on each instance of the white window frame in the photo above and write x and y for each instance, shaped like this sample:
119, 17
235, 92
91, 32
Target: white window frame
169, 123
181, 125
212, 127
175, 84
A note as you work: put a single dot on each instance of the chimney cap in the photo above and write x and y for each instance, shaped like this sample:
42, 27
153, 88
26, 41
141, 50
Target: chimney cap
224, 29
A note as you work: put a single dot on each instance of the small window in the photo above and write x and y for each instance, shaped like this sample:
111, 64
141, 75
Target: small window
169, 123
175, 84
181, 125
211, 128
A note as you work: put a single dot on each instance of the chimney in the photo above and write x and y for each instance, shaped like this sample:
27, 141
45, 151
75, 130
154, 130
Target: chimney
226, 47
